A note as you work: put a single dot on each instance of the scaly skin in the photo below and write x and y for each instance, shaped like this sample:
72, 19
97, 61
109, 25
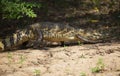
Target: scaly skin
61, 32
18, 38
48, 31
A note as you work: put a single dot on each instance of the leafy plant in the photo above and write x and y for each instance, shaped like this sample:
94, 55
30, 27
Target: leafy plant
22, 59
99, 67
96, 69
37, 72
13, 9
100, 63
82, 74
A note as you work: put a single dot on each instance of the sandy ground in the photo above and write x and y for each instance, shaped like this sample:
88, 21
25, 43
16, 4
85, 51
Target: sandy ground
79, 60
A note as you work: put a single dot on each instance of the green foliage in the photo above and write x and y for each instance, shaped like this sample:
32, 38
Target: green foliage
83, 74
96, 69
96, 2
99, 67
13, 9
37, 72
22, 59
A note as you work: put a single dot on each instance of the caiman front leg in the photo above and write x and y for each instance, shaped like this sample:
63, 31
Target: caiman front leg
37, 42
39, 39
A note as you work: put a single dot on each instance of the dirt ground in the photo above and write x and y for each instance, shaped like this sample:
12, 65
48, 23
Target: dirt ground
101, 59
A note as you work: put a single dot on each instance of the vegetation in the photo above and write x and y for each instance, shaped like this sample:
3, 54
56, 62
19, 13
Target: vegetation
83, 74
13, 9
22, 59
75, 12
37, 72
99, 67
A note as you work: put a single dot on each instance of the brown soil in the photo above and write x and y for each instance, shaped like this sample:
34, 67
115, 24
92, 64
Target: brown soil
63, 61
69, 60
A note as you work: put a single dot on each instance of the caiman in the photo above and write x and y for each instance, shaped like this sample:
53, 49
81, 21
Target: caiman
49, 31
58, 32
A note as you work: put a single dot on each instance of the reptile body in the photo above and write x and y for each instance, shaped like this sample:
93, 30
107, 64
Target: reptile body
63, 32
48, 31
57, 32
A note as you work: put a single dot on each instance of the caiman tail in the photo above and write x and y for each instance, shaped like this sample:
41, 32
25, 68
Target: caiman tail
16, 39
